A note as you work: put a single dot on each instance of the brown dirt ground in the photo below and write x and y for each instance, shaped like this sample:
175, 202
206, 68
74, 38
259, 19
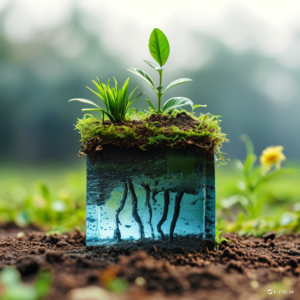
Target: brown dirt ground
244, 269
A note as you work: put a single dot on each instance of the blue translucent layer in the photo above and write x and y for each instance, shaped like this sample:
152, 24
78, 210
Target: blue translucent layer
168, 198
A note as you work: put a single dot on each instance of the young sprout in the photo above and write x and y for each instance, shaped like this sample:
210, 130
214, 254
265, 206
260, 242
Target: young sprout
160, 49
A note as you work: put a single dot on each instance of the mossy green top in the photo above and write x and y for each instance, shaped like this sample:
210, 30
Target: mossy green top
180, 129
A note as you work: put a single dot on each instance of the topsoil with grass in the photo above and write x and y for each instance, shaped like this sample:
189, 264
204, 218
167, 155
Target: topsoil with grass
141, 128
246, 268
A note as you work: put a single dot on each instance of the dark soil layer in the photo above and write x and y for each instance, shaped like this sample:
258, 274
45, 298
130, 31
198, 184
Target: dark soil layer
143, 130
244, 269
180, 242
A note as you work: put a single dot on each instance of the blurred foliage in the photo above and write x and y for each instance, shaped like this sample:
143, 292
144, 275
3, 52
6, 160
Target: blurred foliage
55, 201
254, 182
12, 288
262, 201
54, 198
117, 285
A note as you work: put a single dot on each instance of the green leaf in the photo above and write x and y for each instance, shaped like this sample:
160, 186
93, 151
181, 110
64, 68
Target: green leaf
176, 82
151, 64
150, 103
176, 102
116, 85
131, 94
143, 75
130, 103
84, 101
100, 91
159, 46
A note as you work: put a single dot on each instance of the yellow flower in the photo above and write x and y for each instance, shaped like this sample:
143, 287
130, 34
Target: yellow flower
272, 156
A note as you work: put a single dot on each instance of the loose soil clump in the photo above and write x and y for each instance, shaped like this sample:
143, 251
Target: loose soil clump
245, 267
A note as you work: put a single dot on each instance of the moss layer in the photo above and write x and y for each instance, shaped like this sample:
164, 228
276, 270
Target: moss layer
178, 130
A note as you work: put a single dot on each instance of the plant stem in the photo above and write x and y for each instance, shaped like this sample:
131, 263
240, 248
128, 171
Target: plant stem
159, 91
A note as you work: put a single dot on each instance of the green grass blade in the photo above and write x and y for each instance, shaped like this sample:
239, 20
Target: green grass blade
123, 99
130, 103
99, 87
116, 85
84, 101
98, 95
131, 94
150, 103
105, 100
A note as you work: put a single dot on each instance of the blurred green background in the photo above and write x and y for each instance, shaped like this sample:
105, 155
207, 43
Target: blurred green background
244, 58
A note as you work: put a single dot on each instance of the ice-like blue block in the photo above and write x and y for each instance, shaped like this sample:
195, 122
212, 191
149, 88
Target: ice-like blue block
162, 197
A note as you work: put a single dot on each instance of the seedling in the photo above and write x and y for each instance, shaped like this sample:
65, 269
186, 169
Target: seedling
160, 49
115, 100
219, 239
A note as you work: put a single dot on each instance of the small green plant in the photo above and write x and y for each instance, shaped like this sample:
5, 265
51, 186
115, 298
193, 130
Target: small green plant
160, 49
255, 179
115, 100
220, 240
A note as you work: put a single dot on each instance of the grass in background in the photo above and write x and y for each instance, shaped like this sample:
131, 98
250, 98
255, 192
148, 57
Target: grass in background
49, 196
280, 207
